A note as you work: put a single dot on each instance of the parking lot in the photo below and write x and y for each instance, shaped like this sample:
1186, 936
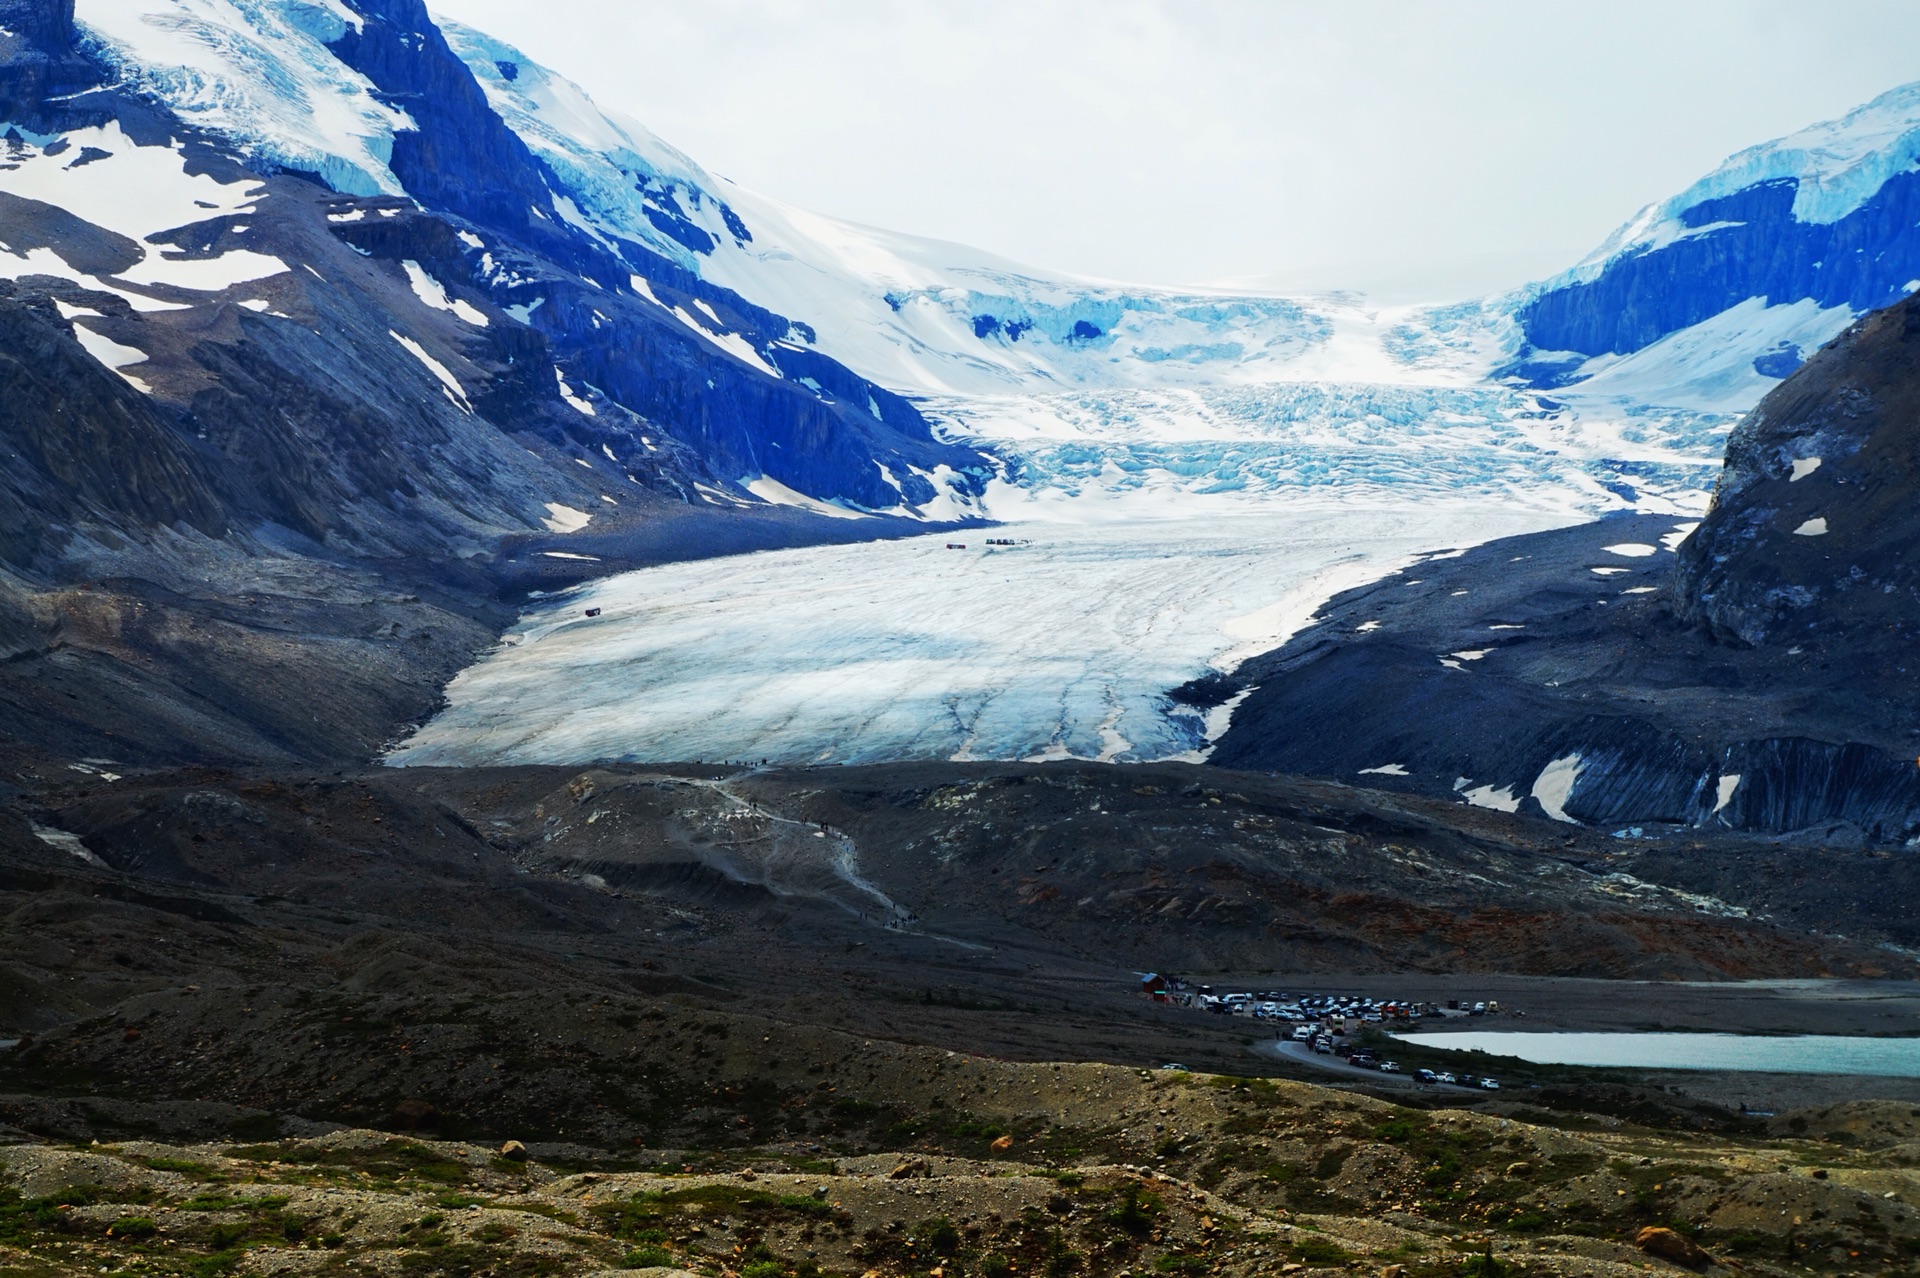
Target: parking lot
1320, 1029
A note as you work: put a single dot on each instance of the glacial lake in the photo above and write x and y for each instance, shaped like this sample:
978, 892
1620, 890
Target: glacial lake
1772, 1054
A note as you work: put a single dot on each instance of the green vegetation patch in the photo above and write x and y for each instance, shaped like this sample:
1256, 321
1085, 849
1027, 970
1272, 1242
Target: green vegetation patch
394, 1160
645, 1213
184, 1166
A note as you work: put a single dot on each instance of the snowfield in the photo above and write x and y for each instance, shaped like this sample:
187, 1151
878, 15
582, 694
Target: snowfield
1063, 646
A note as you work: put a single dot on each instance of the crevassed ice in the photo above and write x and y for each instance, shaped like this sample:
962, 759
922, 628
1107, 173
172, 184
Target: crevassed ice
258, 72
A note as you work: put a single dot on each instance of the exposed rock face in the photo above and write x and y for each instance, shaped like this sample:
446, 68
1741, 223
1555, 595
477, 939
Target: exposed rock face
1658, 1240
1814, 530
37, 61
81, 443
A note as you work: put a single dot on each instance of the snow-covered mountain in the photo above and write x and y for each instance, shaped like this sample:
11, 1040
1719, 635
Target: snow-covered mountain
1716, 294
1612, 384
305, 300
1651, 347
650, 372
1770, 250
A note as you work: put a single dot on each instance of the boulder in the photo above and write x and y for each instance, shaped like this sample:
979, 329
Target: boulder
1658, 1240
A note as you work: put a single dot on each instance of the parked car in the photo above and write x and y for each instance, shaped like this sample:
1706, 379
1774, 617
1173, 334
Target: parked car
1324, 1046
1478, 1009
1303, 1034
1390, 1067
1488, 1084
1177, 1067
1446, 1076
1425, 1076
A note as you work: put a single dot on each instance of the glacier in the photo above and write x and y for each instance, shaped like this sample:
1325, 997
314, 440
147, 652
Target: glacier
1065, 644
1134, 432
257, 72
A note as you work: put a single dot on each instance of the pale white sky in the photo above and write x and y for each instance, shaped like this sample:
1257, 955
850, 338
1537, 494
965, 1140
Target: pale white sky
1417, 151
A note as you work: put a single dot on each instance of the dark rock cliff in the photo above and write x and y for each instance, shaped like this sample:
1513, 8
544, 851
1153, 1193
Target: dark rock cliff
1814, 528
37, 59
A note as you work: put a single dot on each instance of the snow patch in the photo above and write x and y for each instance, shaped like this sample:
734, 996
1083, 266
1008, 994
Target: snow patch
1632, 550
1554, 786
732, 343
775, 493
1679, 534
1802, 467
1723, 791
454, 391
1707, 367
1384, 770
207, 274
113, 355
581, 406
1486, 796
1815, 527
433, 293
44, 261
565, 519
135, 191
66, 842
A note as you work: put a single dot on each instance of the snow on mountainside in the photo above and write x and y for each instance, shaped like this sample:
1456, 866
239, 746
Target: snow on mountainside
1646, 352
1704, 318
913, 313
938, 317
1711, 297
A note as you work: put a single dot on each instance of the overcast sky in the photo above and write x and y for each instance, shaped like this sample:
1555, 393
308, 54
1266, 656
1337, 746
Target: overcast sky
1416, 150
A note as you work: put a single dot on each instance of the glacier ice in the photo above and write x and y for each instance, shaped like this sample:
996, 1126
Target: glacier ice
259, 73
1064, 646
